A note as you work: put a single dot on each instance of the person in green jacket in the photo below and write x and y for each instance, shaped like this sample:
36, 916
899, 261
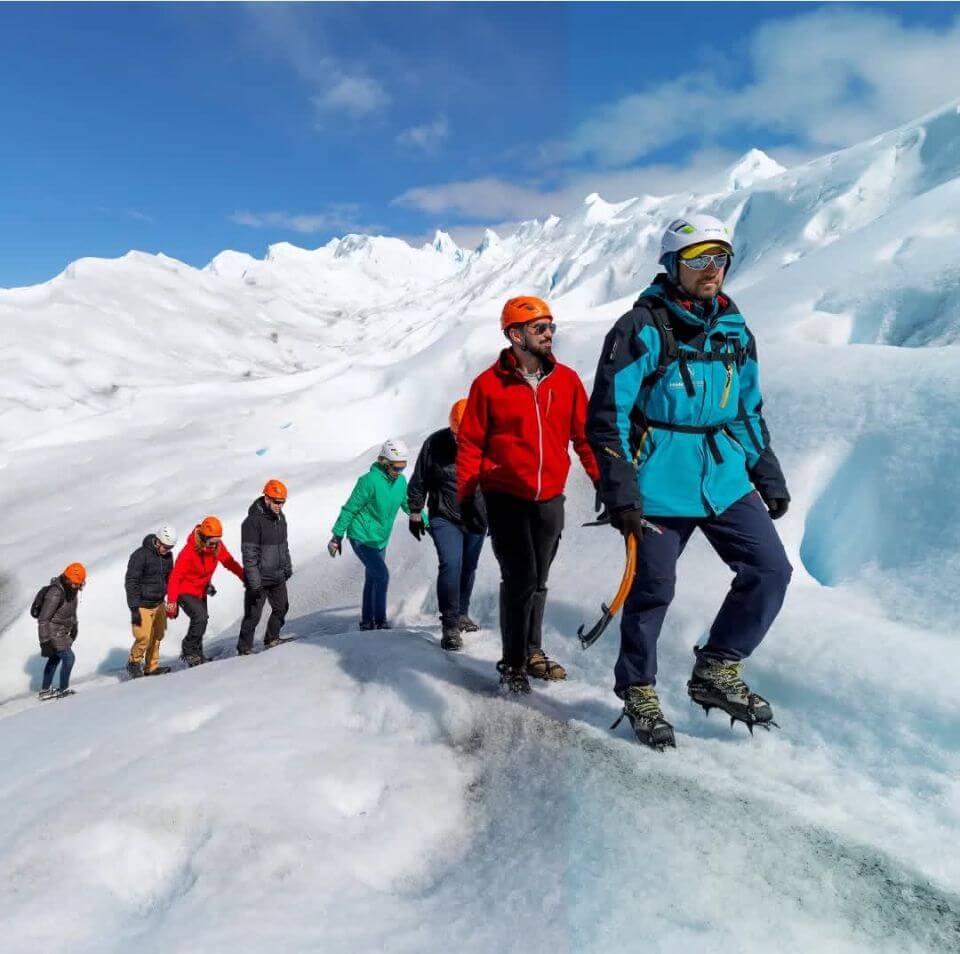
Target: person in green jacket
366, 520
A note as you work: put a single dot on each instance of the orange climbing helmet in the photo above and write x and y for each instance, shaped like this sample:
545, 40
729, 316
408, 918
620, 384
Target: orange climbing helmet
275, 489
75, 574
210, 527
518, 311
456, 414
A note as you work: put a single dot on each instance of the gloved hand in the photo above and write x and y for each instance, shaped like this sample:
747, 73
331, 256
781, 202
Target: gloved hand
416, 526
135, 616
211, 590
173, 610
777, 507
334, 546
629, 521
472, 521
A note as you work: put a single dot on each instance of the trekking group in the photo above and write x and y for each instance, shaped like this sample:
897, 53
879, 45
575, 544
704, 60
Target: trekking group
673, 439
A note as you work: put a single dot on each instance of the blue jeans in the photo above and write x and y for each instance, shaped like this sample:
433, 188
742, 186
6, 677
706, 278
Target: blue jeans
374, 609
65, 659
459, 553
745, 539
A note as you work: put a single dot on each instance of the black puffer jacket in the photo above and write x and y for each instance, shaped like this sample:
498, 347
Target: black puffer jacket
263, 539
434, 479
58, 616
147, 575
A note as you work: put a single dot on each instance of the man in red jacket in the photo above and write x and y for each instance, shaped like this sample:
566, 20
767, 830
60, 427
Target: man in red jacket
513, 444
189, 583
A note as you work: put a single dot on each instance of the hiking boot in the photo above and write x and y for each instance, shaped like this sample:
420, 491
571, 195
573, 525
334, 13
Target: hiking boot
467, 625
63, 693
157, 671
718, 683
244, 652
45, 694
192, 661
541, 666
134, 670
384, 624
270, 643
451, 638
641, 706
366, 627
513, 680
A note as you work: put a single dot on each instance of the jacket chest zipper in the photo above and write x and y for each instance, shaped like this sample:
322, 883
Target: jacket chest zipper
536, 405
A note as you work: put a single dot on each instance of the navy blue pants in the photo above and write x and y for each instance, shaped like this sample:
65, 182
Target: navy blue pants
375, 583
746, 540
65, 659
459, 553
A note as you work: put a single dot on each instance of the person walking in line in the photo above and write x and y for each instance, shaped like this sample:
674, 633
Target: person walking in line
55, 608
675, 420
367, 519
148, 571
266, 566
434, 483
513, 445
189, 584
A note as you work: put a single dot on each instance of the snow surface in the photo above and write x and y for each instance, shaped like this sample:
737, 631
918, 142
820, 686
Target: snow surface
365, 792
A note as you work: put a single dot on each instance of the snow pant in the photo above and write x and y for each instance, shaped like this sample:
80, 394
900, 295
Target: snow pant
745, 539
148, 635
458, 552
196, 608
525, 535
375, 582
253, 610
64, 658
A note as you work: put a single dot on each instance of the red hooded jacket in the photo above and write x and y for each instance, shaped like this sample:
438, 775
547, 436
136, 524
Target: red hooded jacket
515, 440
194, 568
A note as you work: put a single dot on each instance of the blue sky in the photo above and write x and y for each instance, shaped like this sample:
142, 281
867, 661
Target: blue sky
192, 128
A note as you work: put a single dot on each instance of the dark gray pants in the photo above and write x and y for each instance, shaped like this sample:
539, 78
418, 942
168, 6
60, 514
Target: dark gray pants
253, 609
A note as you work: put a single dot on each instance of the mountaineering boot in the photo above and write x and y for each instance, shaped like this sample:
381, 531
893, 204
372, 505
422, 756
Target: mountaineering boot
450, 637
718, 683
44, 694
134, 670
384, 624
642, 707
467, 625
541, 666
63, 693
192, 661
158, 671
512, 680
367, 627
244, 652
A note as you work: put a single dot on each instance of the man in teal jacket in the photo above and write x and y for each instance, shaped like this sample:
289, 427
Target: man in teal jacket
367, 519
675, 421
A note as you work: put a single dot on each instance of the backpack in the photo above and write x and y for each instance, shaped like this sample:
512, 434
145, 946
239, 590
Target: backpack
37, 603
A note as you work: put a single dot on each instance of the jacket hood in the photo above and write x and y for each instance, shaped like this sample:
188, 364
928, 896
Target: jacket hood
148, 540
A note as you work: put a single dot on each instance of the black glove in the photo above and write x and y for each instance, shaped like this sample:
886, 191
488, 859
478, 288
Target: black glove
629, 521
777, 507
135, 616
211, 590
417, 528
470, 515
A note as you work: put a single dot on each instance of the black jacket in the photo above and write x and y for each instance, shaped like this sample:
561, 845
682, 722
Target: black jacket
434, 479
147, 575
58, 617
263, 543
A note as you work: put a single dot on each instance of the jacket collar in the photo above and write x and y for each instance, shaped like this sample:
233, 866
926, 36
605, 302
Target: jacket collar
701, 314
507, 365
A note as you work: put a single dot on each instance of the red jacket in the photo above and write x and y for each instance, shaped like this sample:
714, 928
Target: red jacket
516, 440
194, 568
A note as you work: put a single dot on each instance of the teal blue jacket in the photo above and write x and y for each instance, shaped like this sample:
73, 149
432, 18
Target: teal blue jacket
370, 511
680, 432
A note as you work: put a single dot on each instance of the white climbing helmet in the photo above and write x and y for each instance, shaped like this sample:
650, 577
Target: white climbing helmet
394, 450
694, 230
167, 535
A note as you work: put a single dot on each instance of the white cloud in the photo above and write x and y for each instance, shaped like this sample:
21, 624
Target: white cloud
339, 218
356, 95
427, 137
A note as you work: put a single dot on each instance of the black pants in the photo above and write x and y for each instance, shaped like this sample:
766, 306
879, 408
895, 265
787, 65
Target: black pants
196, 608
525, 536
253, 610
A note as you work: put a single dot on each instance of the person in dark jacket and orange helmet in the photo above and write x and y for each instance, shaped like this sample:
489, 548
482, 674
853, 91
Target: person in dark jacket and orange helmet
58, 628
434, 485
266, 566
189, 583
513, 444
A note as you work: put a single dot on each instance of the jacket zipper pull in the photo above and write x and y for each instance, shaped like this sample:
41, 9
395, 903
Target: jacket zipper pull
726, 388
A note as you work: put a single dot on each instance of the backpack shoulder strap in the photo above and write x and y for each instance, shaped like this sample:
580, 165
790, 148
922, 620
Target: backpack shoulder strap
668, 343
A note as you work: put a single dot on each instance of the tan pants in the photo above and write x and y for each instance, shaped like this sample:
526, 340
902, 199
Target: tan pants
147, 636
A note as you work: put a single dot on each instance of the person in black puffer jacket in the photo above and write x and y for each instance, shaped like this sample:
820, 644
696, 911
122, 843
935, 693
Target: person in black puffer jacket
57, 628
458, 540
148, 570
266, 566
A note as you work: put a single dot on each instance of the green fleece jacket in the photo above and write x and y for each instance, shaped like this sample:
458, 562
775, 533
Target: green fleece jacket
369, 514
